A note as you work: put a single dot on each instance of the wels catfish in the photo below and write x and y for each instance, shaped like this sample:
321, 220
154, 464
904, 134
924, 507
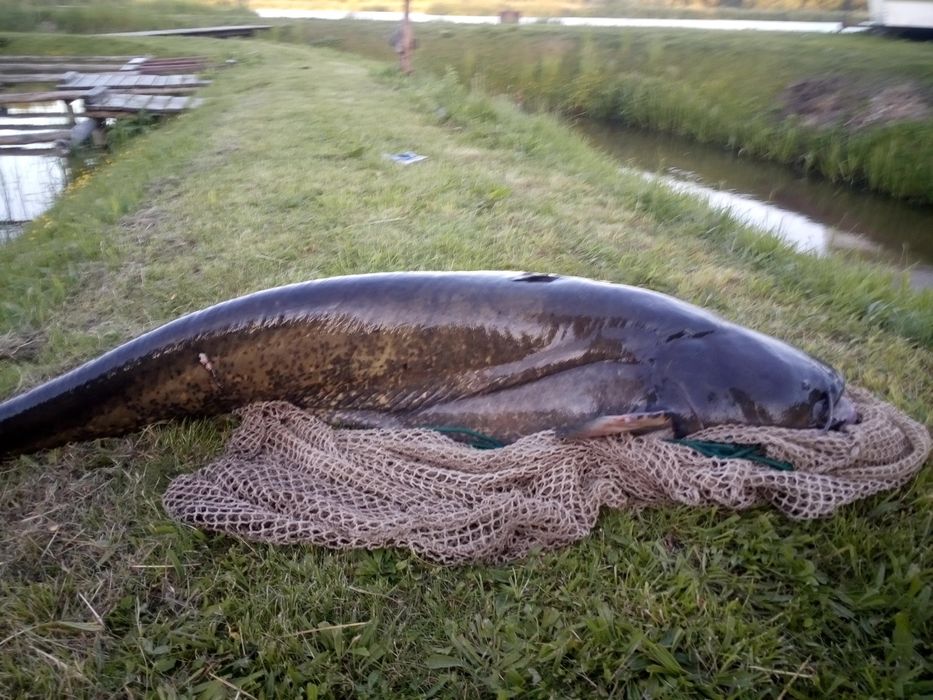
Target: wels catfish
503, 353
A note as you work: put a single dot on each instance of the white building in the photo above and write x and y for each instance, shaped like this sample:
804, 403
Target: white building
902, 14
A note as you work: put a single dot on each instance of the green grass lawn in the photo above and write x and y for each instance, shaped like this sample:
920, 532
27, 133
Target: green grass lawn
89, 16
281, 177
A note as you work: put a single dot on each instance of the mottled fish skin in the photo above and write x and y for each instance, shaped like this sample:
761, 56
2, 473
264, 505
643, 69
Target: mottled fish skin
502, 352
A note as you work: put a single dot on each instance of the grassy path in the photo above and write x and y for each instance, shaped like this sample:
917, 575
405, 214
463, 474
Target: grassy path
281, 178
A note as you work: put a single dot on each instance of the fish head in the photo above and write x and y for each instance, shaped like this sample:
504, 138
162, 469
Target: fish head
736, 376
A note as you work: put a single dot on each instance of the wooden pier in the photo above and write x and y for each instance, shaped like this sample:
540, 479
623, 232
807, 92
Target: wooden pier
19, 70
126, 79
108, 87
121, 105
221, 32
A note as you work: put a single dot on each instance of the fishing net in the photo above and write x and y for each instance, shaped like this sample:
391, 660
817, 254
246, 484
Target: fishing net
287, 477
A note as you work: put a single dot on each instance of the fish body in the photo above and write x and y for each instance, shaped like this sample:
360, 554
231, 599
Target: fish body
503, 353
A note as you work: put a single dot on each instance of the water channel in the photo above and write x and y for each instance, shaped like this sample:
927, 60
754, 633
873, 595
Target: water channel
812, 214
717, 24
31, 176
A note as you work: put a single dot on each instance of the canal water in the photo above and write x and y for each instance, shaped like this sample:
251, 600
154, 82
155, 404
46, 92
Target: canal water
31, 176
718, 24
810, 213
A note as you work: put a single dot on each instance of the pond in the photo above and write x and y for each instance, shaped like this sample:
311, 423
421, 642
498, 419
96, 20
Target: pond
33, 175
812, 214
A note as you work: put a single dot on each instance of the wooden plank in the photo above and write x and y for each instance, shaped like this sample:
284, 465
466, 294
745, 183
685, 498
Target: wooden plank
174, 62
34, 137
25, 79
134, 63
221, 31
31, 117
173, 104
83, 81
165, 70
34, 127
19, 58
46, 67
180, 90
138, 103
159, 103
151, 65
120, 104
19, 151
78, 81
16, 98
102, 113
168, 60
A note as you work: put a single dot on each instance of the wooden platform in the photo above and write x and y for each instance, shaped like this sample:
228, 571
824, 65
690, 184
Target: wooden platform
25, 70
20, 98
221, 32
28, 58
110, 88
119, 105
56, 66
30, 78
107, 101
127, 79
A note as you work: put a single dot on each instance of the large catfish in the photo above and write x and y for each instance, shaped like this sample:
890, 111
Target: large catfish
506, 354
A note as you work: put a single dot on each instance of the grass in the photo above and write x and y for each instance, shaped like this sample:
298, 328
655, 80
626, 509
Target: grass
280, 178
727, 88
87, 16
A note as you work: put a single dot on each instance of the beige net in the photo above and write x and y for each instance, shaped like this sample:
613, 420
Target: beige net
287, 477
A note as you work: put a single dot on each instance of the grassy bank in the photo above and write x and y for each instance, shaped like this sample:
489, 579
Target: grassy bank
281, 177
856, 109
87, 16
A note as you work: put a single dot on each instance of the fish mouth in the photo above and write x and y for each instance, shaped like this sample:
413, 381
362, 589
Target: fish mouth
843, 413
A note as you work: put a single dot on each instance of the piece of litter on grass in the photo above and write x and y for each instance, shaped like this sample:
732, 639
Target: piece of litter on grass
406, 157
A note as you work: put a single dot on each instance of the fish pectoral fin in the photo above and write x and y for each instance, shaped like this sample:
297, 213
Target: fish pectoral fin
615, 425
362, 419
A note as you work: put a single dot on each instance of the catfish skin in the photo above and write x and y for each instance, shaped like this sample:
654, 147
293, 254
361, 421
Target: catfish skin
501, 352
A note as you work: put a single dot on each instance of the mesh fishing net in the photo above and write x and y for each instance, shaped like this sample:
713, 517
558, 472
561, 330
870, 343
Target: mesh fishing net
286, 477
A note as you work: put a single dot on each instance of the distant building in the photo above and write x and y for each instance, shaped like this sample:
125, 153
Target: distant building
509, 16
902, 14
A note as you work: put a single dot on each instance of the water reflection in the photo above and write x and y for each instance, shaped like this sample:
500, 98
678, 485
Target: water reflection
29, 185
31, 175
812, 214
